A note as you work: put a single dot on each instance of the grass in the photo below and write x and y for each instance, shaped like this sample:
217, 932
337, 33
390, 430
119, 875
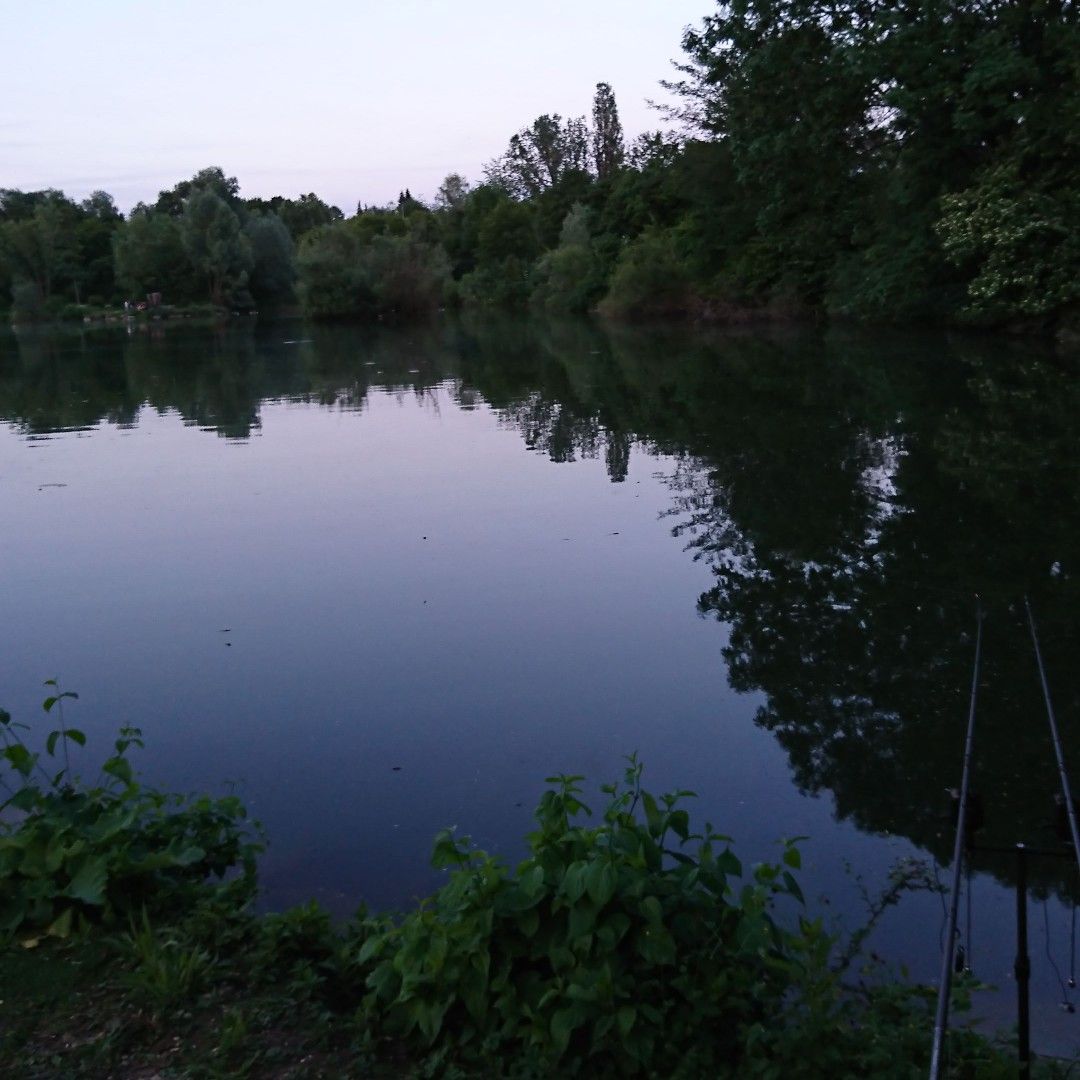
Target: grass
76, 1011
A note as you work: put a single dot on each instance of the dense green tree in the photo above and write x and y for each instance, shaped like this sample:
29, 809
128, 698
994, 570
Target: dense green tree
215, 244
376, 264
570, 277
777, 82
300, 215
273, 264
1022, 245
650, 278
227, 188
541, 155
40, 250
94, 278
452, 192
150, 257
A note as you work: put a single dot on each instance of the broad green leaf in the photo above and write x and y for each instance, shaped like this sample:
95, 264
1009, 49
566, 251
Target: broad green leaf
371, 948
531, 883
573, 883
600, 881
563, 1022
793, 887
653, 816
651, 909
679, 823
22, 761
26, 798
189, 855
728, 862
88, 884
626, 1016
656, 945
120, 768
582, 920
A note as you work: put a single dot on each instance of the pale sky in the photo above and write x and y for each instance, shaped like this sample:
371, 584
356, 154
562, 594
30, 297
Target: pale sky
354, 101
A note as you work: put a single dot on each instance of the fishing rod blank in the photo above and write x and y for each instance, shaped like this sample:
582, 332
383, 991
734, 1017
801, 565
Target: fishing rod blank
941, 1018
1055, 738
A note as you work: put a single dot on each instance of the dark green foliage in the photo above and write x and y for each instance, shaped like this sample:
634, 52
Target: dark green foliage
630, 947
300, 215
150, 257
650, 278
869, 146
540, 156
39, 247
226, 188
378, 263
215, 244
81, 854
273, 264
570, 278
1022, 245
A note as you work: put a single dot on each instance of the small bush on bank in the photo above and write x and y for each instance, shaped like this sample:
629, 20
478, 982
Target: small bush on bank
77, 854
649, 279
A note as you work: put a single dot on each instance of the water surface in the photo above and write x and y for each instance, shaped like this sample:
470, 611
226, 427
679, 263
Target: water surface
382, 581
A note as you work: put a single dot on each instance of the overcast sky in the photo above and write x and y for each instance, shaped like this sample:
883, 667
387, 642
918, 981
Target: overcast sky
353, 100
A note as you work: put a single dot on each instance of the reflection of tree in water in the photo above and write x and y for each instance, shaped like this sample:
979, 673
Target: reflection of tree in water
852, 502
855, 615
213, 379
851, 494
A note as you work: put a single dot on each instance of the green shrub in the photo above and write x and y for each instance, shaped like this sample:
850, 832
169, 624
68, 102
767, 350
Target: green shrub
570, 278
618, 949
76, 854
346, 272
649, 279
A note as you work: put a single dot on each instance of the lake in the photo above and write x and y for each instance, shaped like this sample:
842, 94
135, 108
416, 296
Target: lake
385, 580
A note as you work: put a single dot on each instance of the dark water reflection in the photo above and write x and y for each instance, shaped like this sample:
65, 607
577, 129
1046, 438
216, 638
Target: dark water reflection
839, 499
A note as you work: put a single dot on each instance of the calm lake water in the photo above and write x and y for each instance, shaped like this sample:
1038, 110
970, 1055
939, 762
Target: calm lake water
381, 581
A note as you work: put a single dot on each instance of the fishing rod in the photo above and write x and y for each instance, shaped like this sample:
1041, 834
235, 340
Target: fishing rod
941, 1018
1055, 738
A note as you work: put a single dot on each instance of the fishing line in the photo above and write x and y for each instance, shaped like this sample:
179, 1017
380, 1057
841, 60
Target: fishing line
1072, 946
944, 906
967, 931
1066, 1003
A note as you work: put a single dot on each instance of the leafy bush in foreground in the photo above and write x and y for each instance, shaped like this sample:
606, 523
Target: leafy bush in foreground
72, 853
631, 947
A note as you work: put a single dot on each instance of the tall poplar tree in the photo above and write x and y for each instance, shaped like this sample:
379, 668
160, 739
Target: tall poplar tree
607, 135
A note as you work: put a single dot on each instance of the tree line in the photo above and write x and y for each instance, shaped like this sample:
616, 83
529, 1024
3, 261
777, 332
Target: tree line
906, 160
